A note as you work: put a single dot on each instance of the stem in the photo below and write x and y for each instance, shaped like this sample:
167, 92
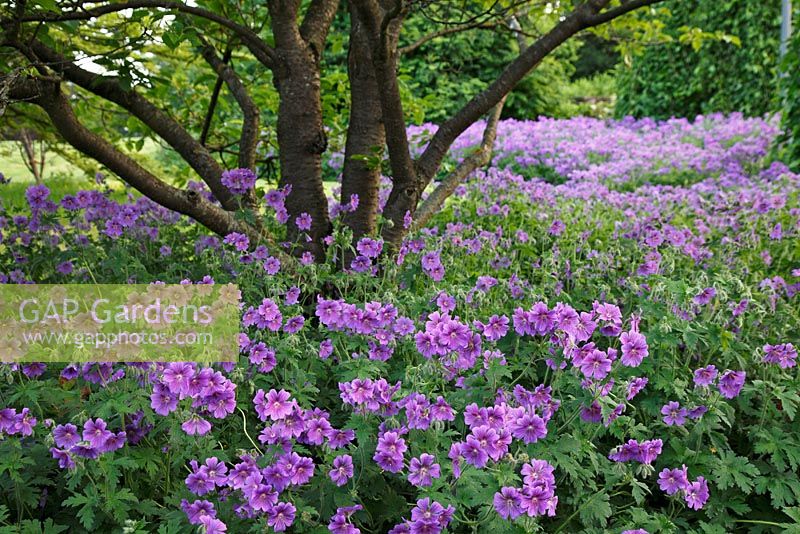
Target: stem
760, 522
244, 428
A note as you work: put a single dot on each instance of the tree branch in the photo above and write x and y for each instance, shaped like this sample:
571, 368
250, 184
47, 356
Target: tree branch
317, 23
284, 23
625, 8
430, 160
403, 50
482, 156
48, 95
263, 53
248, 140
109, 88
212, 103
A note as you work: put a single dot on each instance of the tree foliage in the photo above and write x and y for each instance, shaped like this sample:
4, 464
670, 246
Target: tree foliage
790, 94
735, 72
263, 86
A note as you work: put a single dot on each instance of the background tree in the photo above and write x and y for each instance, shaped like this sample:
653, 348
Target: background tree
738, 72
81, 62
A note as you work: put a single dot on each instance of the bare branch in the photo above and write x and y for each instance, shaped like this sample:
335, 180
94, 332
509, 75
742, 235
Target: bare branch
482, 156
249, 136
403, 50
212, 102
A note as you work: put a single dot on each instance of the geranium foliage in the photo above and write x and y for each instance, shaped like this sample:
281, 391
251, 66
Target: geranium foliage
597, 334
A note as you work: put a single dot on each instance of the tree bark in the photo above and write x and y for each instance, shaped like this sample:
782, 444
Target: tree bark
364, 133
383, 22
482, 156
301, 134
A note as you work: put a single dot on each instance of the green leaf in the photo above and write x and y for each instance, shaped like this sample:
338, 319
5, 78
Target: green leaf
735, 470
596, 510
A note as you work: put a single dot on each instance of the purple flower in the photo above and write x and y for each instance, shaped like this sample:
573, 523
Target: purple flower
474, 453
95, 433
429, 514
37, 195
197, 510
784, 355
592, 413
389, 452
649, 451
281, 516
338, 438
64, 458
340, 521
422, 470
275, 405
596, 365
697, 412
212, 525
239, 181
177, 377
239, 241
272, 265
636, 385
508, 503
407, 220
530, 428
634, 348
371, 248
65, 268
696, 494
730, 383
262, 497
496, 328
294, 324
557, 228
645, 452
671, 481
342, 470
303, 221
705, 296
66, 436
325, 349
196, 425
705, 376
673, 414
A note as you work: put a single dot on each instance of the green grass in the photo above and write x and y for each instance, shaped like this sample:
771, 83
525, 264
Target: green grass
13, 194
12, 167
63, 177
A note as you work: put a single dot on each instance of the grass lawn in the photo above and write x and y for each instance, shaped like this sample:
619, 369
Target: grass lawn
12, 167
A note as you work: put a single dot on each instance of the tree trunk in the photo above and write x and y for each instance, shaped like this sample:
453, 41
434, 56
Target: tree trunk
364, 133
302, 141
